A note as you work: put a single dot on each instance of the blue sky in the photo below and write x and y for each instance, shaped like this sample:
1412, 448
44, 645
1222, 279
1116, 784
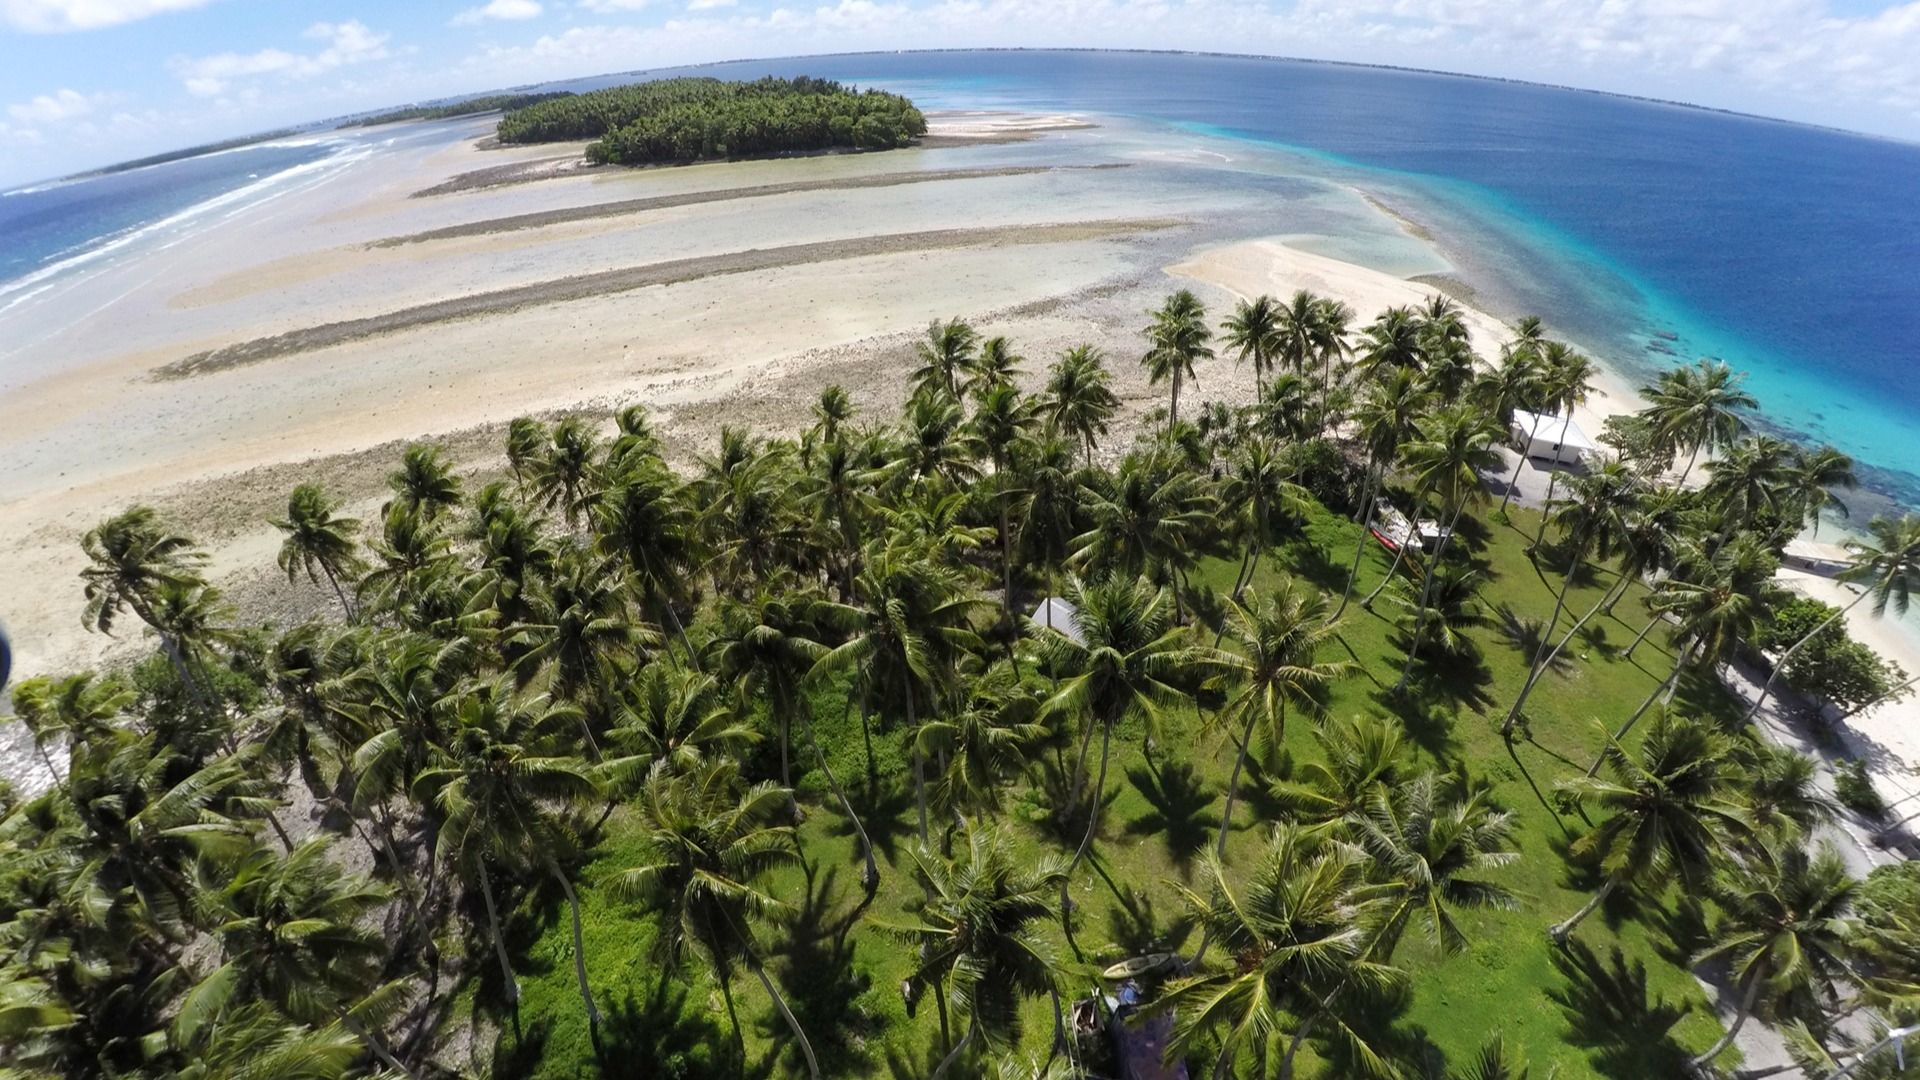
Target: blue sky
86, 82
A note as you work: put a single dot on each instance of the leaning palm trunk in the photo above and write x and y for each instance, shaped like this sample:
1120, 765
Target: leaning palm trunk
953, 1055
1553, 479
1744, 1010
1513, 482
375, 1044
919, 768
1888, 696
1399, 553
870, 873
1795, 650
1093, 820
1360, 549
1560, 931
499, 940
1426, 592
780, 1003
579, 946
1541, 657
1233, 781
1665, 689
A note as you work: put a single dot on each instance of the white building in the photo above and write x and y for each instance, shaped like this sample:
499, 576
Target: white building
1552, 438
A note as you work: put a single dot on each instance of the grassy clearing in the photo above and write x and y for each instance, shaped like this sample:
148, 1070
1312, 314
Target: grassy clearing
1618, 1003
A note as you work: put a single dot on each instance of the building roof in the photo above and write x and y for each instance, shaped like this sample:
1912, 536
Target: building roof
1547, 427
1059, 614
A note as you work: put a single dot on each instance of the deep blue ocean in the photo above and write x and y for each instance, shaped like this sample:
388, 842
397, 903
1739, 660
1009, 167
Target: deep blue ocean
1652, 233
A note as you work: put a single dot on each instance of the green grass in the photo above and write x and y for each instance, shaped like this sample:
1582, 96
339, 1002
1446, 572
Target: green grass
1618, 1003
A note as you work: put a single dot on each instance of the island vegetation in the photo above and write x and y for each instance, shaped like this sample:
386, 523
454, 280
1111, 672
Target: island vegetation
699, 119
757, 766
448, 110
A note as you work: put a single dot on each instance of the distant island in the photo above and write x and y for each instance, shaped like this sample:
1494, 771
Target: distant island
702, 119
449, 110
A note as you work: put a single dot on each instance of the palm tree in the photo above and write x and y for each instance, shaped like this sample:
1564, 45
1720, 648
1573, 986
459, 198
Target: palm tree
1078, 400
1361, 758
832, 412
1888, 568
1261, 489
1517, 383
1177, 337
501, 793
425, 483
1566, 379
1697, 408
1278, 665
944, 356
76, 708
1431, 839
526, 439
565, 473
1815, 475
130, 558
977, 940
1298, 932
1455, 446
1670, 808
645, 520
1783, 926
984, 742
316, 540
711, 844
1452, 606
904, 632
1593, 521
1391, 342
1002, 417
993, 368
1386, 418
1254, 333
1148, 518
1495, 1062
1751, 485
1128, 660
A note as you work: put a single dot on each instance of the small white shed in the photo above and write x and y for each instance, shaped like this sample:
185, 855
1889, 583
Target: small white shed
1058, 614
1553, 438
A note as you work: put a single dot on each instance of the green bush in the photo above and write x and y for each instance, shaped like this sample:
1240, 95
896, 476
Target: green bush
1855, 791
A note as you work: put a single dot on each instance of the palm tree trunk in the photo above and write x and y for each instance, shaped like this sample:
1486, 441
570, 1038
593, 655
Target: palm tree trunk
1079, 771
1426, 591
1562, 930
1173, 410
973, 1028
1665, 687
1691, 457
1553, 478
579, 946
793, 1025
1883, 697
733, 1018
1233, 782
940, 1006
1093, 818
1294, 1044
1540, 654
1794, 651
374, 1044
919, 768
693, 658
499, 940
1656, 620
334, 580
870, 873
1744, 1010
1360, 549
1513, 482
1400, 553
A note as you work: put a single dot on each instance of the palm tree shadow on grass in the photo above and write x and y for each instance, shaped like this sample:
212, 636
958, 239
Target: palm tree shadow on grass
1428, 719
886, 810
1182, 813
815, 967
1523, 633
1457, 682
1625, 1031
657, 1036
1135, 926
1377, 1018
519, 1055
1052, 784
1312, 563
1679, 929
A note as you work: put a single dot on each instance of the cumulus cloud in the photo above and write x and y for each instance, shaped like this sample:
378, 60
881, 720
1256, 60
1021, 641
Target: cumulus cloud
613, 7
709, 5
49, 16
346, 43
500, 10
54, 108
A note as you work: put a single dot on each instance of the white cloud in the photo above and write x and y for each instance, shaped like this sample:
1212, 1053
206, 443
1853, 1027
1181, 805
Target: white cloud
709, 5
47, 16
503, 10
613, 7
350, 42
54, 108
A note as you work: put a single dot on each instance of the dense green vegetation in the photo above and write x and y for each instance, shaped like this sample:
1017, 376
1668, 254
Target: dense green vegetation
757, 768
692, 119
189, 152
467, 107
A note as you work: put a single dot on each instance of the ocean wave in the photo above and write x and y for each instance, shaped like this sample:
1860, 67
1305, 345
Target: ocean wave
27, 286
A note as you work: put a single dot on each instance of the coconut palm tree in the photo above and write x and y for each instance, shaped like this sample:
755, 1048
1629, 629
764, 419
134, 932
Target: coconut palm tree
1387, 417
1176, 337
1148, 518
711, 842
1431, 839
1593, 521
1278, 665
994, 367
1783, 927
1887, 567
1516, 383
576, 634
1078, 400
1566, 380
502, 789
831, 413
1254, 333
1452, 606
319, 542
984, 742
945, 355
1697, 408
526, 439
425, 483
1669, 809
1495, 1061
1390, 342
73, 709
1361, 757
645, 520
977, 940
904, 634
1815, 476
1453, 448
1298, 931
566, 473
1259, 486
1128, 660
1002, 417
130, 558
